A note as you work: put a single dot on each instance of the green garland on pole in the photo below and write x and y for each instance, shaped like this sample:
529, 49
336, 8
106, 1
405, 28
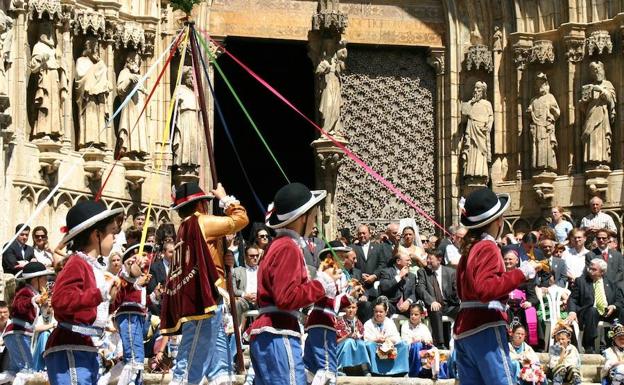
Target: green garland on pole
185, 6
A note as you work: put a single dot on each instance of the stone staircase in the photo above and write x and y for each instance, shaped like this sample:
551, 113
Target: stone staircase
591, 364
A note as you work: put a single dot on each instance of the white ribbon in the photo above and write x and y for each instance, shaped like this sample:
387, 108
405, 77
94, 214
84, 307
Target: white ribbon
486, 214
70, 172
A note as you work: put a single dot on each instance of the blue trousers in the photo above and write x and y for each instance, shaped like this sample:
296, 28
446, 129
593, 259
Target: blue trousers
220, 365
72, 367
131, 331
320, 351
196, 350
20, 357
483, 358
277, 360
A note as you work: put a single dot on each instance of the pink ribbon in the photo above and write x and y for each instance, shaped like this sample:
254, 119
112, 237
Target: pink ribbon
383, 181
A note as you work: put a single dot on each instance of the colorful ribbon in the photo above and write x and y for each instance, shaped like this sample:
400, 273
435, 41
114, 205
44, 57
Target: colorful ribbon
369, 170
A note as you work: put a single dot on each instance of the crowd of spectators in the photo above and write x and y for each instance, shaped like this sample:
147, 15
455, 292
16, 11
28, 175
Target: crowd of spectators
408, 299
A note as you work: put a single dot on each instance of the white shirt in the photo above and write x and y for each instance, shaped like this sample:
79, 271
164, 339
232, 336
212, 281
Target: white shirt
167, 266
365, 248
452, 255
438, 274
575, 260
252, 279
600, 220
411, 333
43, 257
388, 329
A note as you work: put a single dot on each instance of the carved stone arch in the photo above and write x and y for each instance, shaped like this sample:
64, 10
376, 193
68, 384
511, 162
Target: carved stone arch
64, 199
79, 198
163, 216
115, 204
507, 225
27, 193
616, 217
539, 222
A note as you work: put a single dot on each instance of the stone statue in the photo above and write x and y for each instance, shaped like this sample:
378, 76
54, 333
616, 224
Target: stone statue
6, 38
92, 88
497, 39
52, 85
329, 69
543, 113
134, 142
479, 117
187, 134
598, 104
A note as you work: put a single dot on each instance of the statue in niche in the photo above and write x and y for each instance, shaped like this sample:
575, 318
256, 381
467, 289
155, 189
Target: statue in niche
6, 38
479, 118
598, 105
543, 113
92, 88
186, 139
333, 55
497, 39
52, 85
132, 133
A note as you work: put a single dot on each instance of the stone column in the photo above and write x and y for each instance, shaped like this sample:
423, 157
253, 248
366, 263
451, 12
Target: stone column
20, 125
444, 138
521, 54
69, 139
500, 139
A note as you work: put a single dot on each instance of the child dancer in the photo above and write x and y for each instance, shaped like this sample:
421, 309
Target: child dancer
613, 369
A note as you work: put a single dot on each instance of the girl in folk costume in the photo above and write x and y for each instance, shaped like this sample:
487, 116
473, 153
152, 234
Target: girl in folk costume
284, 287
131, 309
483, 286
564, 360
24, 312
612, 372
82, 292
389, 355
192, 303
525, 364
320, 353
421, 350
351, 346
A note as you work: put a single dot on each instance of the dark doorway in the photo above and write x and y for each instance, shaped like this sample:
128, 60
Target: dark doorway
286, 66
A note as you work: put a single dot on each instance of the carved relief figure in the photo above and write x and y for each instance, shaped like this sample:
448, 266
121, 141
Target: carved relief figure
598, 104
187, 139
134, 141
329, 69
479, 117
329, 5
92, 88
543, 113
6, 37
52, 85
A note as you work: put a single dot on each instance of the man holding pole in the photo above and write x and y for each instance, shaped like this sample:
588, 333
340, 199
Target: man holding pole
192, 303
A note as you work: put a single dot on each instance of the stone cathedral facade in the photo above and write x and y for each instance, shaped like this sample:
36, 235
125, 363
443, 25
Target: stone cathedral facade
438, 96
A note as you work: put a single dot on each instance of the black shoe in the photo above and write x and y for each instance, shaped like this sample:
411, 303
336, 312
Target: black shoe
590, 350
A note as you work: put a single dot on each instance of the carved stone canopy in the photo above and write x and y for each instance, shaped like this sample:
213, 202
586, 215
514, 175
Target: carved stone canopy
479, 57
334, 21
599, 42
40, 7
89, 22
130, 35
521, 55
150, 39
436, 60
575, 48
542, 52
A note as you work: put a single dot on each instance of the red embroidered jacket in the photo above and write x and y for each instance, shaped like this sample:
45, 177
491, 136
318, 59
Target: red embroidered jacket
345, 327
23, 309
130, 300
324, 312
283, 283
75, 299
482, 277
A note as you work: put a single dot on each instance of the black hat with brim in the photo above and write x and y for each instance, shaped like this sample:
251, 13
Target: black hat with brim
132, 250
188, 193
291, 202
482, 207
84, 215
32, 270
336, 246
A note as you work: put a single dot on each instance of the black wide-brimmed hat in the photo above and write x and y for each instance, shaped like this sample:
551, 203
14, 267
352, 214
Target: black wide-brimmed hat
132, 250
187, 193
291, 202
32, 270
481, 207
337, 246
84, 215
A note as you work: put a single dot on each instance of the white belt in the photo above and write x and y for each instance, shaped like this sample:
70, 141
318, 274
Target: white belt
492, 305
324, 310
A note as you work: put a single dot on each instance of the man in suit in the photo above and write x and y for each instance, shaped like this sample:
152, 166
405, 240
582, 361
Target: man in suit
390, 241
614, 259
313, 245
246, 283
18, 254
438, 289
160, 271
594, 298
369, 260
557, 266
399, 285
